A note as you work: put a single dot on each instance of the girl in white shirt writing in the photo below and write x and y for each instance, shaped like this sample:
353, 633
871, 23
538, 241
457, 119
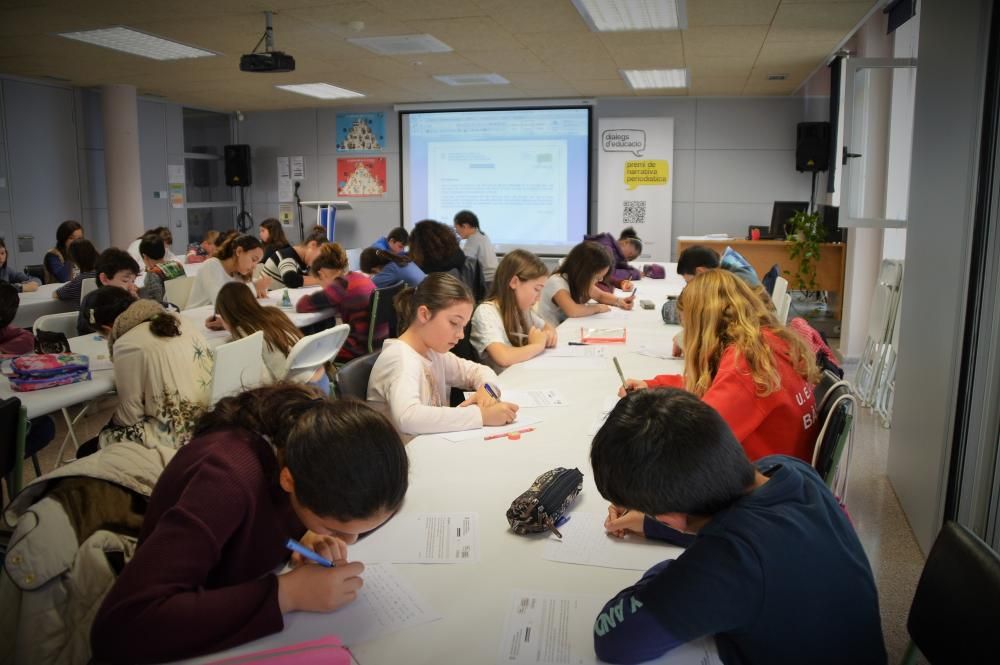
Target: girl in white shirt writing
413, 376
504, 329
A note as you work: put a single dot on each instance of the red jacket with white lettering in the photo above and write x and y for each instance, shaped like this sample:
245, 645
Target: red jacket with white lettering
782, 423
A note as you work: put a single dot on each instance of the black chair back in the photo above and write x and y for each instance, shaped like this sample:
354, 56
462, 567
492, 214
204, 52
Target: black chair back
11, 459
382, 310
957, 602
352, 377
471, 274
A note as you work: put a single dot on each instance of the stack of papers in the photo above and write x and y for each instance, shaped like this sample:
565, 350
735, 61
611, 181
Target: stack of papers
422, 538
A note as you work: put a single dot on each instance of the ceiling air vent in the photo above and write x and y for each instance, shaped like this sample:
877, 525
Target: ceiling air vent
401, 44
473, 79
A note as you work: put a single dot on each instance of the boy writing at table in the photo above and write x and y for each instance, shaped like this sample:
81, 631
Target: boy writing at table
775, 573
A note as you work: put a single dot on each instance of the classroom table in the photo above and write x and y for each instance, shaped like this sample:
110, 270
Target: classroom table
39, 303
485, 476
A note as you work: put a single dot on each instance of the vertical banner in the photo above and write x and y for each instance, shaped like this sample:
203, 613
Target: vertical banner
635, 184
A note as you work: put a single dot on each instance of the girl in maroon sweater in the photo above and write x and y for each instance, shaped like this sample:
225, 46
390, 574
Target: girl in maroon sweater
737, 358
270, 464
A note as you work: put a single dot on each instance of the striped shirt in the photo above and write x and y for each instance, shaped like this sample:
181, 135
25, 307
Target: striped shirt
285, 267
349, 294
71, 289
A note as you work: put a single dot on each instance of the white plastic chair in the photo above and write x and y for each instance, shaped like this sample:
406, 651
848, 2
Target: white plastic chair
177, 290
238, 366
354, 258
88, 285
313, 351
778, 296
784, 308
881, 327
64, 322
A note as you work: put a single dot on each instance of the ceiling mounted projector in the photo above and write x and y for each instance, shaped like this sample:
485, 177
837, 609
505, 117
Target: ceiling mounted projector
267, 61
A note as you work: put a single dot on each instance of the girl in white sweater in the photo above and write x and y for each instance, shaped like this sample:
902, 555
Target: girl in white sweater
413, 375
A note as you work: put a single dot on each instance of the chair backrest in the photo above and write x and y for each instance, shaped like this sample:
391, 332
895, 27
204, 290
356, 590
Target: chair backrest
826, 382
177, 290
471, 274
780, 289
883, 307
769, 279
354, 258
64, 322
382, 310
836, 417
36, 270
238, 366
312, 351
88, 285
957, 602
12, 431
352, 378
783, 308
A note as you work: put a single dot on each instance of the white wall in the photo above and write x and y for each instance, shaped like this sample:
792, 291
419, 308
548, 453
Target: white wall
733, 157
949, 102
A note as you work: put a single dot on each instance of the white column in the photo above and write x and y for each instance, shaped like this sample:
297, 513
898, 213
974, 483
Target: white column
120, 118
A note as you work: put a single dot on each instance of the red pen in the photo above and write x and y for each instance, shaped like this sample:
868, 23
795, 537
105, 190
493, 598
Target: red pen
500, 436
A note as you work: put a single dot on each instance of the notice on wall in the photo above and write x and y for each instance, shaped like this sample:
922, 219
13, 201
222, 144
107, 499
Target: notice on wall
298, 166
175, 180
286, 213
360, 132
635, 180
285, 189
361, 176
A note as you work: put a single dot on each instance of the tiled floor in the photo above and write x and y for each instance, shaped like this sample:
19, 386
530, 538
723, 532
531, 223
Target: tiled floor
895, 557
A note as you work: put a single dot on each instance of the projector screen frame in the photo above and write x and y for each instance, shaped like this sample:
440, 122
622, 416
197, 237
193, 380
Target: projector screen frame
419, 110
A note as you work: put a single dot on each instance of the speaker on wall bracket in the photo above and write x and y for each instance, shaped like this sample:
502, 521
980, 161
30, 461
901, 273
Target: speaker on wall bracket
237, 159
812, 147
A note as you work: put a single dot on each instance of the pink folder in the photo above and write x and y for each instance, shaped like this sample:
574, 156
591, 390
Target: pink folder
324, 651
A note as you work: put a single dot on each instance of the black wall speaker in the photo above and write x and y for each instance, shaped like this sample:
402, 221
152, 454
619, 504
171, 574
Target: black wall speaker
812, 147
237, 159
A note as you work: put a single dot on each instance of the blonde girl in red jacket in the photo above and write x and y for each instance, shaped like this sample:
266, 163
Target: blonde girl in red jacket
757, 374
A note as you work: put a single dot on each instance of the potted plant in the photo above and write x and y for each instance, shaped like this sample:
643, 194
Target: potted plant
805, 233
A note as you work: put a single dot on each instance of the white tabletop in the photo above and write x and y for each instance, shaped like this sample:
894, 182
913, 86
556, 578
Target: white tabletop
41, 302
50, 400
485, 476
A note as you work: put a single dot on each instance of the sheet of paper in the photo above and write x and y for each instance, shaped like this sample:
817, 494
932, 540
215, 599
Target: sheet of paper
662, 352
386, 604
557, 628
422, 538
602, 415
298, 168
283, 169
585, 542
531, 398
569, 358
522, 422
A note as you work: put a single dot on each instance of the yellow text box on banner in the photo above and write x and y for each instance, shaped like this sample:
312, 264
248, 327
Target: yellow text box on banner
646, 172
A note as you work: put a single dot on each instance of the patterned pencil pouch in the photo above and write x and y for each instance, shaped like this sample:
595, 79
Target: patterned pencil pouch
38, 365
545, 502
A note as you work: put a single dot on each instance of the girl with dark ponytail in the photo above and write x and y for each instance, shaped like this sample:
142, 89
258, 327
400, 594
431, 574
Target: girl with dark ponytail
163, 370
413, 376
234, 261
270, 464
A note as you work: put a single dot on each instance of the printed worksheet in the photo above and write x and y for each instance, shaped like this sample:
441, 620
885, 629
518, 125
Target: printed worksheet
568, 358
609, 404
585, 542
422, 538
386, 604
523, 422
534, 398
545, 628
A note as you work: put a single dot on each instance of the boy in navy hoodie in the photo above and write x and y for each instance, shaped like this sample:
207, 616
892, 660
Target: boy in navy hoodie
775, 574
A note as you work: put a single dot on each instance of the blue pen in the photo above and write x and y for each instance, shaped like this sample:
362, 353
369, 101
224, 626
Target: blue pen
489, 390
296, 546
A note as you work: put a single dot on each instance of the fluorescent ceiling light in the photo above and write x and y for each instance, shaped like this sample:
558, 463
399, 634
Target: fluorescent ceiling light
472, 79
320, 90
618, 15
651, 79
402, 44
138, 43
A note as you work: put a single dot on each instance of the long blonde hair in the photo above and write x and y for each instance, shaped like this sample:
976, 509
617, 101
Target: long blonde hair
719, 310
525, 266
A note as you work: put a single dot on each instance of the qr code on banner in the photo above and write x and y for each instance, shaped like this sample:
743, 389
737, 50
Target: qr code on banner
634, 212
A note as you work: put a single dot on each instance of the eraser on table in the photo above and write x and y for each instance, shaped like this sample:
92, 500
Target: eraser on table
514, 436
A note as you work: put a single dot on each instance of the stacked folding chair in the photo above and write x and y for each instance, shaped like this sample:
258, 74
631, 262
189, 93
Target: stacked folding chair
876, 370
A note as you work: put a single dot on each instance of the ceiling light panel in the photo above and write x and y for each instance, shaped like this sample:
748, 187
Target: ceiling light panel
320, 90
653, 79
473, 79
402, 44
621, 15
131, 41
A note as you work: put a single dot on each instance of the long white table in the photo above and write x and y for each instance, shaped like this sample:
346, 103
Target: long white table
41, 302
485, 476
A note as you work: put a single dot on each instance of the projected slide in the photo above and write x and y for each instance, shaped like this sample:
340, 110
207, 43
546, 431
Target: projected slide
524, 173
